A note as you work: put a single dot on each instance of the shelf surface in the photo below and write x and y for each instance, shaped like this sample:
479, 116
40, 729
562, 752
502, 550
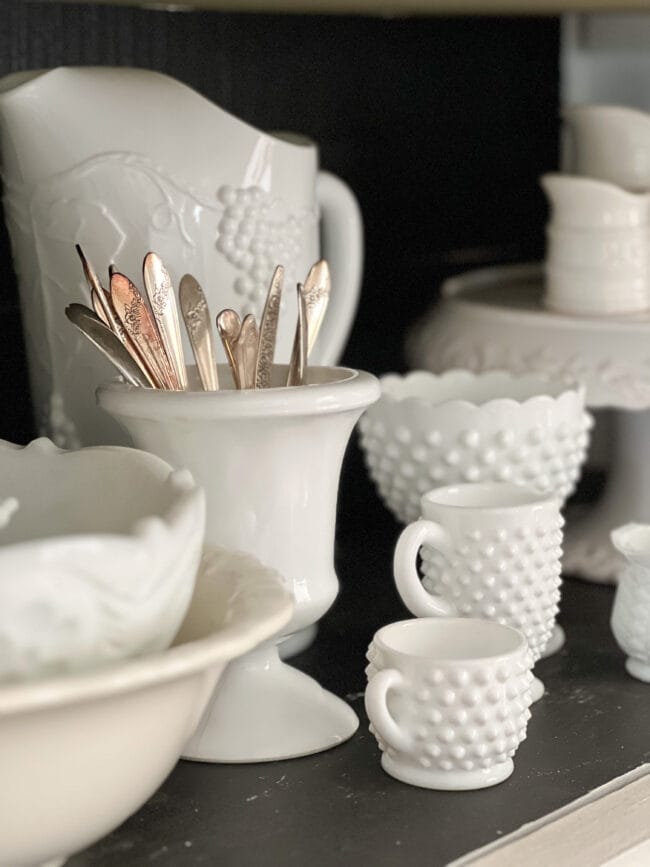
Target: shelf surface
339, 808
395, 8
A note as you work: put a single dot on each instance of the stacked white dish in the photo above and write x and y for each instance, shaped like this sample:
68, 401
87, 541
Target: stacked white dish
80, 753
598, 247
99, 551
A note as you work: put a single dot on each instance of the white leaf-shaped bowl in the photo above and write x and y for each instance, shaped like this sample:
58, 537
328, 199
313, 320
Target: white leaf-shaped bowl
99, 557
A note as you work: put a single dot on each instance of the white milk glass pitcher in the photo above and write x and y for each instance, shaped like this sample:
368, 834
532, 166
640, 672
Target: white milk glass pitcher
123, 161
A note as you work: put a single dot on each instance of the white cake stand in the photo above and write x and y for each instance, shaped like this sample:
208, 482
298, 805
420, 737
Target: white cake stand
494, 318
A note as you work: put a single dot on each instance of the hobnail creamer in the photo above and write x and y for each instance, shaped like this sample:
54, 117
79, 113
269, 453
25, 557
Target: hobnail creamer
631, 612
82, 752
448, 700
99, 559
430, 430
489, 550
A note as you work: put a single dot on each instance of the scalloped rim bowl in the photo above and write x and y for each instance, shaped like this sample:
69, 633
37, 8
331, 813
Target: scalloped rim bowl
98, 558
430, 430
80, 753
474, 390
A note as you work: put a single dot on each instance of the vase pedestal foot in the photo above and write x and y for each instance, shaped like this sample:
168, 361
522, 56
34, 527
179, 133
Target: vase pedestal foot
264, 710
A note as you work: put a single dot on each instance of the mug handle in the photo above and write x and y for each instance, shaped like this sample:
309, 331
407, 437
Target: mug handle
342, 246
378, 713
408, 582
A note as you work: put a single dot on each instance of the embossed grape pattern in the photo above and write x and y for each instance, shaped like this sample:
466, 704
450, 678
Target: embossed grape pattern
255, 240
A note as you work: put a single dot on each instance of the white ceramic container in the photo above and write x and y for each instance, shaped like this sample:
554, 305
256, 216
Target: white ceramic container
587, 203
428, 431
448, 700
269, 461
598, 247
146, 163
489, 550
79, 754
99, 559
631, 612
610, 142
618, 253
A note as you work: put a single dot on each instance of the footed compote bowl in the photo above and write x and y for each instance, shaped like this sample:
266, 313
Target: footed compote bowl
269, 462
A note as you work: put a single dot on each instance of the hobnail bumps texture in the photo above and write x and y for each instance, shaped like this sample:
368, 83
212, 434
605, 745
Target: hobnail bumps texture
512, 577
254, 239
459, 718
414, 444
631, 612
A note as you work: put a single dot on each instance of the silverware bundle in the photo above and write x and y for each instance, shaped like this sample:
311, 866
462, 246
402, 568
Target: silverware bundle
144, 341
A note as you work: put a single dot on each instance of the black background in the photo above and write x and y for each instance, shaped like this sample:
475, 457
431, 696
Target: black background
440, 125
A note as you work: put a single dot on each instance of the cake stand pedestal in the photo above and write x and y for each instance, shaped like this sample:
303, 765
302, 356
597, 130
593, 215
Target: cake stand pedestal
494, 318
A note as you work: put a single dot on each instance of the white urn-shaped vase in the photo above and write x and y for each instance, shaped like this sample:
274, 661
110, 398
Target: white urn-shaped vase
269, 461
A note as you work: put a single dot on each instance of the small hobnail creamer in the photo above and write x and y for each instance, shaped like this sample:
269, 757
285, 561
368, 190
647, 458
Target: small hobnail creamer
448, 700
631, 612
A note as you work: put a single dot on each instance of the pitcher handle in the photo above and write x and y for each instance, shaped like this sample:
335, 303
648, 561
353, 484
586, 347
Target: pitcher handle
342, 246
409, 586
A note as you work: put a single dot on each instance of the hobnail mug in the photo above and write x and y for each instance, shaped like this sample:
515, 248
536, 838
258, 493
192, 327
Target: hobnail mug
448, 700
489, 550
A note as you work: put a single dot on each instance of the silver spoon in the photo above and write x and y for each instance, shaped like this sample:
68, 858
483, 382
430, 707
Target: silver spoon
269, 330
316, 292
194, 308
298, 363
103, 338
163, 306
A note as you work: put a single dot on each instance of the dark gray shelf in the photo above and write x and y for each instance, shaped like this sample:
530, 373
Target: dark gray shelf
339, 808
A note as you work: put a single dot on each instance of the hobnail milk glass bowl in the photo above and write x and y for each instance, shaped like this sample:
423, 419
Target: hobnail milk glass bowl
98, 556
429, 430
